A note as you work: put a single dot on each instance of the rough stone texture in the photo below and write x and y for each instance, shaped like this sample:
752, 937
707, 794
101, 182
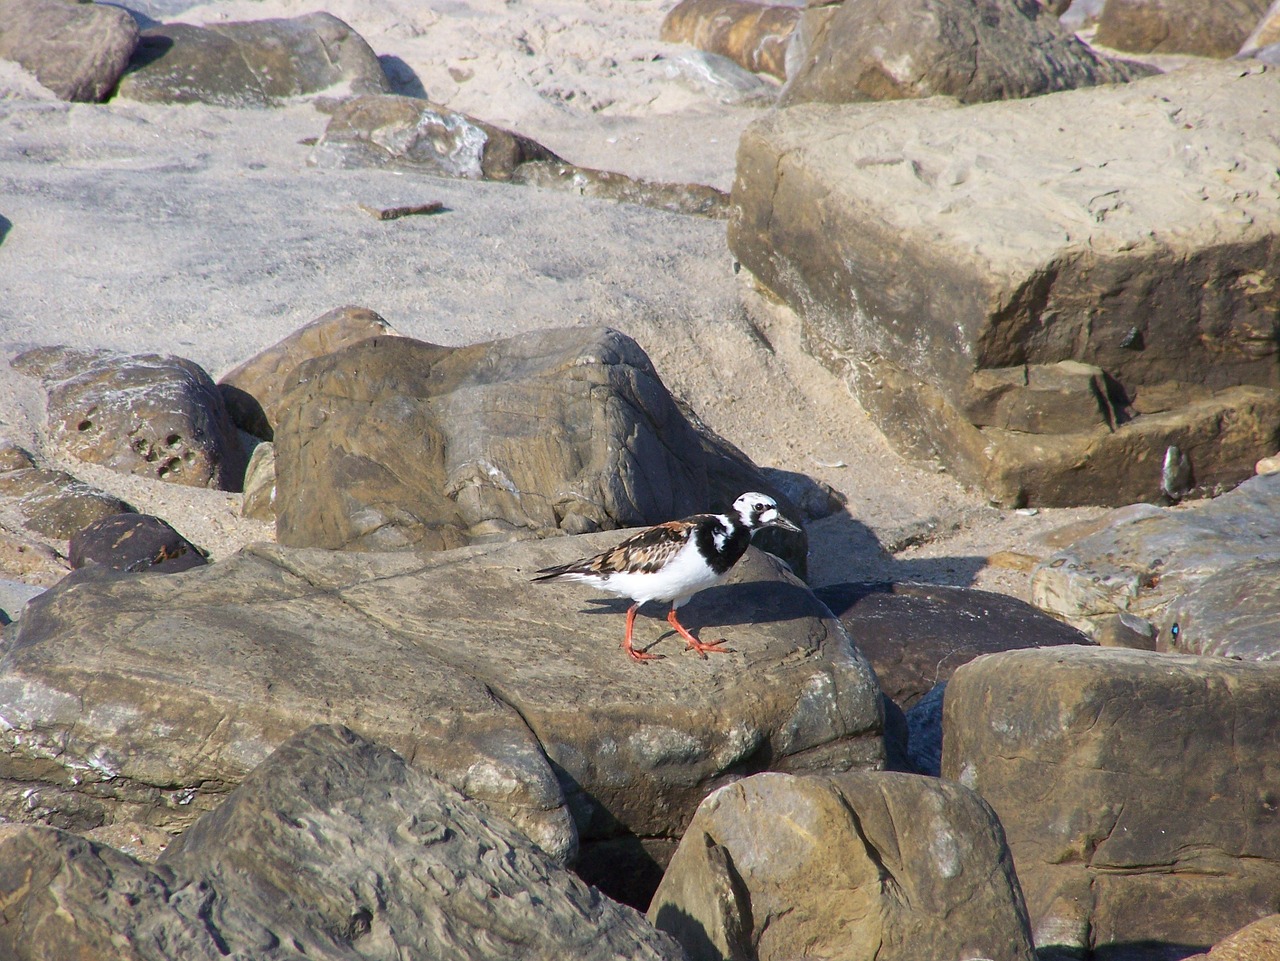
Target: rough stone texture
252, 390
77, 50
754, 36
251, 63
148, 698
1137, 790
1259, 941
393, 443
1265, 34
863, 867
157, 416
1151, 561
260, 483
134, 543
973, 51
29, 560
334, 849
1148, 256
916, 635
53, 503
1178, 26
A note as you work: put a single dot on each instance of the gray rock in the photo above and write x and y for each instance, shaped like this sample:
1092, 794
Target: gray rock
77, 50
1178, 26
973, 51
393, 443
51, 502
862, 865
148, 698
252, 63
333, 849
1149, 561
754, 36
1137, 790
157, 416
1036, 265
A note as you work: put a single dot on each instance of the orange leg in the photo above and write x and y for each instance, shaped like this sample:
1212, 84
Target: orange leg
626, 644
692, 643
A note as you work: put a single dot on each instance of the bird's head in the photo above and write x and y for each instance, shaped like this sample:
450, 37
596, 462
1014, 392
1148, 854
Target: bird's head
760, 510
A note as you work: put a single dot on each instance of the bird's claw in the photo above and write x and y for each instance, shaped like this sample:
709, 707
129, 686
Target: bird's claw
712, 647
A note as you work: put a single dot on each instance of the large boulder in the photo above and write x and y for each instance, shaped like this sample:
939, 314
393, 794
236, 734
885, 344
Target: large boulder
393, 443
251, 63
156, 416
77, 50
333, 849
1047, 328
146, 698
1215, 29
1208, 571
973, 51
1137, 790
860, 866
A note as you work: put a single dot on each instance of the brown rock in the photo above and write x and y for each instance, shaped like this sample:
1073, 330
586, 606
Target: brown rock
135, 543
1265, 34
77, 50
1178, 26
859, 866
1136, 789
1259, 941
53, 503
754, 36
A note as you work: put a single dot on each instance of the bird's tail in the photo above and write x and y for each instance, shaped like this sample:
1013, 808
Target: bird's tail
548, 573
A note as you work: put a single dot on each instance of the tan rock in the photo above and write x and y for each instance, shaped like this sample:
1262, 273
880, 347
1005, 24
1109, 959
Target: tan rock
752, 35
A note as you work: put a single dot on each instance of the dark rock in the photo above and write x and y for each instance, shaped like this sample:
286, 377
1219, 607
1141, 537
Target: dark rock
252, 63
1070, 316
252, 390
134, 543
1178, 26
861, 865
51, 502
1137, 790
146, 414
77, 50
973, 51
393, 443
754, 36
916, 635
924, 732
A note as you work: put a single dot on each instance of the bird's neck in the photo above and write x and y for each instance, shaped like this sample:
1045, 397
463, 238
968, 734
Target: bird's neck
723, 540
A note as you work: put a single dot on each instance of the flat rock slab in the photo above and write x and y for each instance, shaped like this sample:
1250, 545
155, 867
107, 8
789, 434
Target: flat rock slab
1137, 790
148, 698
1084, 226
1207, 570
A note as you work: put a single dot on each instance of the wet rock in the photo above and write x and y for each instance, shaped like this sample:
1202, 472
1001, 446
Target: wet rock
135, 543
1136, 790
252, 389
1178, 26
251, 63
393, 443
916, 635
1050, 360
156, 416
859, 865
77, 50
754, 36
148, 698
895, 50
50, 502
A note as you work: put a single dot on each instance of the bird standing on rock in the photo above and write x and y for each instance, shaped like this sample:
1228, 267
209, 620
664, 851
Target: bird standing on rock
675, 560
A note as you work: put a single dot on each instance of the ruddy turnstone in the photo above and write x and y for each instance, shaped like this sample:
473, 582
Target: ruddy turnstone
673, 561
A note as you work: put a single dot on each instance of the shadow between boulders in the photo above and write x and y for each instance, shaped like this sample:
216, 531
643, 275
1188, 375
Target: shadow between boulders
5, 226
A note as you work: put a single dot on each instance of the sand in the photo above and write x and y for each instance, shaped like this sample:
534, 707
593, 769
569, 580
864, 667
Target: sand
203, 232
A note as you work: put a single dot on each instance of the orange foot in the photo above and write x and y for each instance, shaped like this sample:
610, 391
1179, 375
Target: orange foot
626, 643
693, 644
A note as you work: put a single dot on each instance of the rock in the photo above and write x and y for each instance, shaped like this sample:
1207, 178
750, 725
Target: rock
1080, 298
1265, 34
1146, 560
14, 596
146, 414
866, 865
23, 557
895, 50
77, 50
1259, 941
393, 443
1232, 613
1137, 790
260, 484
251, 63
720, 78
754, 36
134, 543
50, 502
916, 635
688, 199
1178, 26
148, 698
1267, 465
334, 849
252, 389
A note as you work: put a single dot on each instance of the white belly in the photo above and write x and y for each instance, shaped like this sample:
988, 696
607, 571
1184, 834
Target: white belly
684, 576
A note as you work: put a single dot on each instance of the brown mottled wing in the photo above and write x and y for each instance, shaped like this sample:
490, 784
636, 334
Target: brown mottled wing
645, 551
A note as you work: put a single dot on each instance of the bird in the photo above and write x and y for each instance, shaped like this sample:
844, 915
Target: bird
673, 561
